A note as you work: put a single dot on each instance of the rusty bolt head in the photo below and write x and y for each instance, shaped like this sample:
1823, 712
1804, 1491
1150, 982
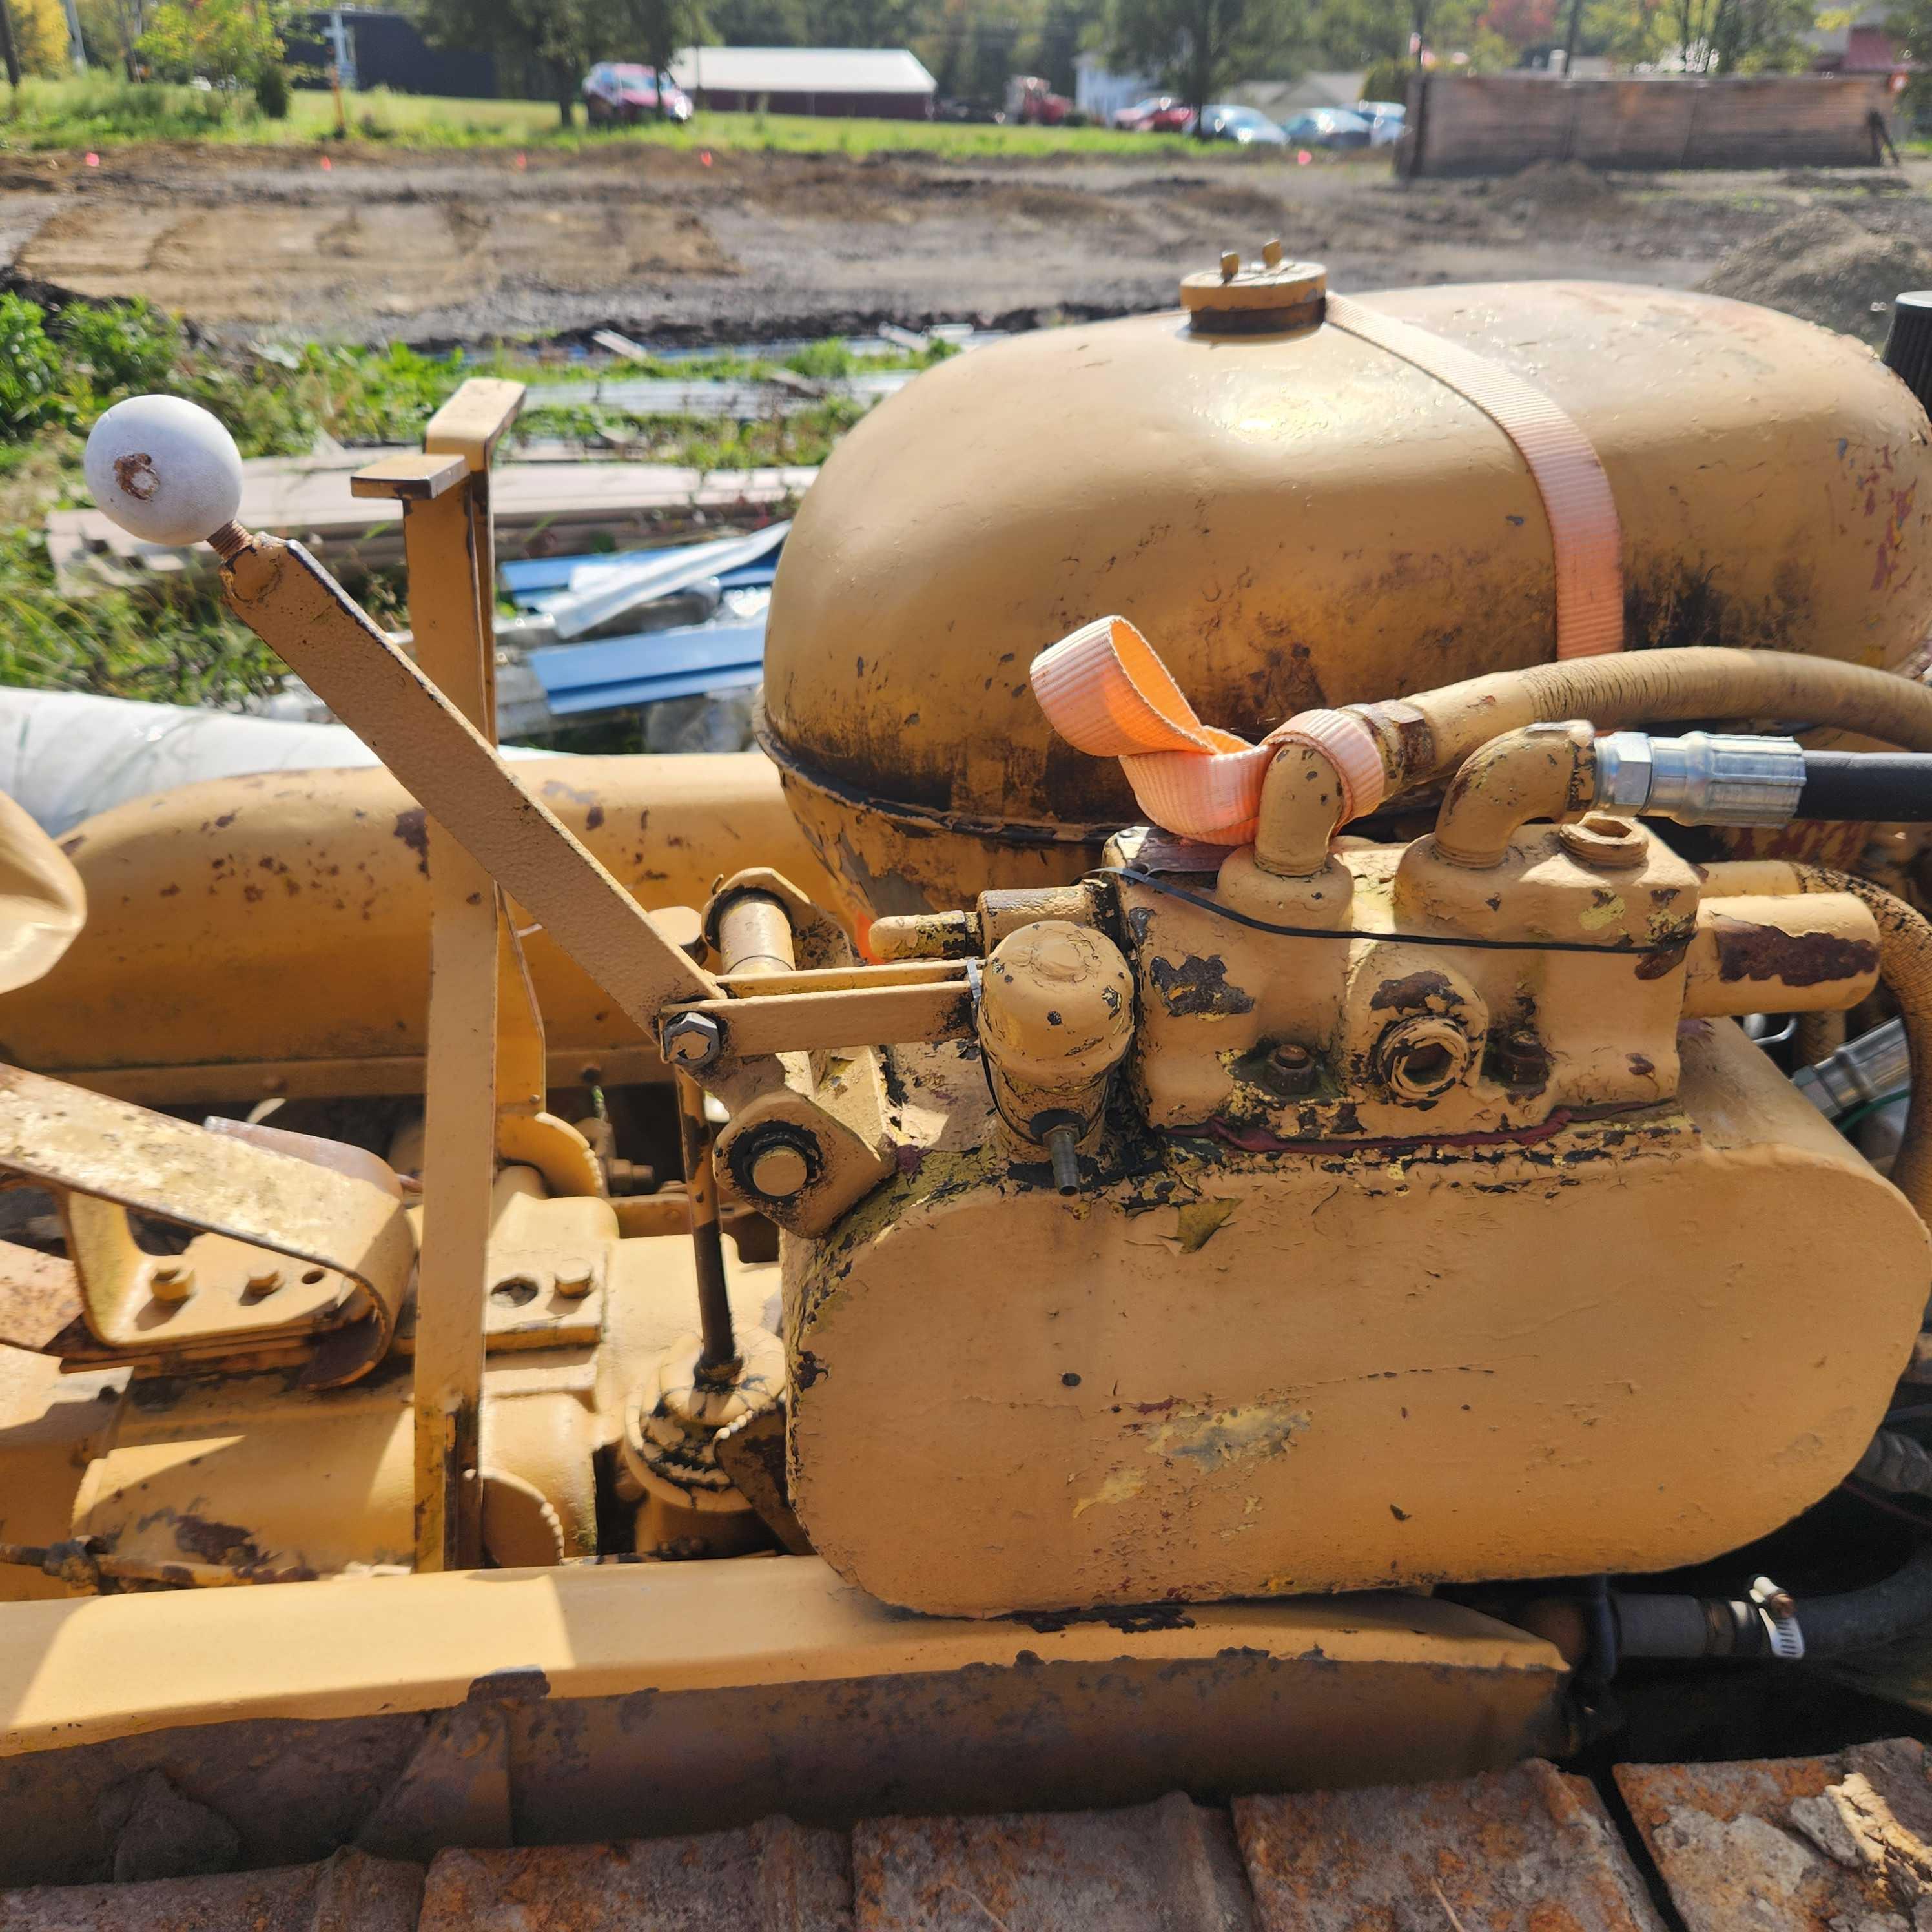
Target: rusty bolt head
1519, 1056
1291, 1070
1271, 253
171, 1281
692, 1039
574, 1276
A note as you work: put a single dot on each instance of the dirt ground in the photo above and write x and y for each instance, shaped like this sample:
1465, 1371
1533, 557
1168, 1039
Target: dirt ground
470, 246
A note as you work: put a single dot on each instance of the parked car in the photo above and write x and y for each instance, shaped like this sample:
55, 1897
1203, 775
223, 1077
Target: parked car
1031, 103
620, 91
1328, 128
1386, 120
981, 113
1243, 124
1158, 114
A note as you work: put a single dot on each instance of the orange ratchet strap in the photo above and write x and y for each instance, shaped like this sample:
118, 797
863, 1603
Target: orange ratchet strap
1577, 500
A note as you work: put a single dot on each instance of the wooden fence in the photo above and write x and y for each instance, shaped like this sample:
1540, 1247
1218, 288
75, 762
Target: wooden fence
1496, 124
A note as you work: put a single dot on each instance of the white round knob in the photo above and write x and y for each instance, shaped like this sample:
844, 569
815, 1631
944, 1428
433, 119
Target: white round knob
165, 470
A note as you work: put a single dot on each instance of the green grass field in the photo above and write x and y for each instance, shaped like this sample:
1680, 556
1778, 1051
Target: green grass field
98, 111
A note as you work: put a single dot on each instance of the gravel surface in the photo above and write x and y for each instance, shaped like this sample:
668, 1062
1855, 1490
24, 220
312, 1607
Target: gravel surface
468, 246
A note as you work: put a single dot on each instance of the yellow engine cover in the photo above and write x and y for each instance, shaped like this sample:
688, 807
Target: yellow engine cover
1633, 1343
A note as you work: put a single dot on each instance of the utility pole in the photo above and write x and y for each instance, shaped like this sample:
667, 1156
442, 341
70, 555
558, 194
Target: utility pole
7, 50
1569, 39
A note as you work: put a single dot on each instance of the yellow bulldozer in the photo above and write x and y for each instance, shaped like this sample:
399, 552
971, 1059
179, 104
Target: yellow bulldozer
1214, 1252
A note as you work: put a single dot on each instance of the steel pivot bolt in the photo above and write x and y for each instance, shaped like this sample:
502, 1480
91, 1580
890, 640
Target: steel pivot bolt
779, 1171
692, 1039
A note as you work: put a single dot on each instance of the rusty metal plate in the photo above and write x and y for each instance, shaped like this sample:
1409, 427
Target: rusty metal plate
773, 1876
1527, 1850
1799, 1844
347, 1892
1169, 1867
40, 1296
295, 1235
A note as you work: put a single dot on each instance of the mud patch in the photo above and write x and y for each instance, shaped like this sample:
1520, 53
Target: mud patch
285, 262
1827, 269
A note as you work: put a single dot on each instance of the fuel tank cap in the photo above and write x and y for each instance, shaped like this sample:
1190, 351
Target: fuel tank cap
1254, 297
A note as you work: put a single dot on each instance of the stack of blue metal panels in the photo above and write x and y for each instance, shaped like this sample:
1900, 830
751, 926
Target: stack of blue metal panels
621, 673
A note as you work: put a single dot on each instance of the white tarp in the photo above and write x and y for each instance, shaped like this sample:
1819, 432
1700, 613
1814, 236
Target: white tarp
65, 755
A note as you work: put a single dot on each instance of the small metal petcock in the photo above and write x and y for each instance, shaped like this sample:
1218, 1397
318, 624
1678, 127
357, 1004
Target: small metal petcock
1063, 1147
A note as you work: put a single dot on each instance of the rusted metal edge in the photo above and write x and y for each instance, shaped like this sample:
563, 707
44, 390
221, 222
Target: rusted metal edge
364, 1645
206, 1082
1025, 831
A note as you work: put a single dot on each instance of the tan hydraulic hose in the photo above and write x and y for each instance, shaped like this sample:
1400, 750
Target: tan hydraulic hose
1106, 690
1427, 737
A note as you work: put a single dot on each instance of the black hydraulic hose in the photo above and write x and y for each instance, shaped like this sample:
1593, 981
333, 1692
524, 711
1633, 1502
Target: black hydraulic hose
1865, 1619
1881, 787
1838, 1626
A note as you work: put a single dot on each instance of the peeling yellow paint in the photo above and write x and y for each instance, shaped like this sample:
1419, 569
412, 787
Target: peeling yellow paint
1197, 1222
1123, 1486
1598, 917
1210, 1437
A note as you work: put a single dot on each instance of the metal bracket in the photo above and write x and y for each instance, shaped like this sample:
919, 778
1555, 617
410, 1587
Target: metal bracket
302, 1251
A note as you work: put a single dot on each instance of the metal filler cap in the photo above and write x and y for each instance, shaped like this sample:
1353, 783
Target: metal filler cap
1261, 298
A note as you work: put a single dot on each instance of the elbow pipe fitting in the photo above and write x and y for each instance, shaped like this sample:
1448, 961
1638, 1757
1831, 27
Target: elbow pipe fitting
1701, 778
1330, 768
1541, 771
1303, 799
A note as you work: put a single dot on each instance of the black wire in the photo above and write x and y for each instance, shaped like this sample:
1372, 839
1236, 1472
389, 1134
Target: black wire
1136, 876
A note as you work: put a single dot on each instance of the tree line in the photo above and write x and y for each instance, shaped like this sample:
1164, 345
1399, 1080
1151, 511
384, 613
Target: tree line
1192, 49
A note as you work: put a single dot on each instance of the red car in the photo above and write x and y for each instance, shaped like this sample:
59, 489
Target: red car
1158, 114
619, 91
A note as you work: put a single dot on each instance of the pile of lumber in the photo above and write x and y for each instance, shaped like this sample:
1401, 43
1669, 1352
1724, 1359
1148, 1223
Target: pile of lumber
542, 509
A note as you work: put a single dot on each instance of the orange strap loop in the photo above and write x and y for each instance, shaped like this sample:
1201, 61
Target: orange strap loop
1107, 693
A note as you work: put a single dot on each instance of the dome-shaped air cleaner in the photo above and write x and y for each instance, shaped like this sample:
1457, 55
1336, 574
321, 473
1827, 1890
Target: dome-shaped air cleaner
1908, 347
165, 470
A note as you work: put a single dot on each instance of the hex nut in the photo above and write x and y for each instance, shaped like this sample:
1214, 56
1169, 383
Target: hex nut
1604, 839
1290, 1070
171, 1281
692, 1039
574, 1276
